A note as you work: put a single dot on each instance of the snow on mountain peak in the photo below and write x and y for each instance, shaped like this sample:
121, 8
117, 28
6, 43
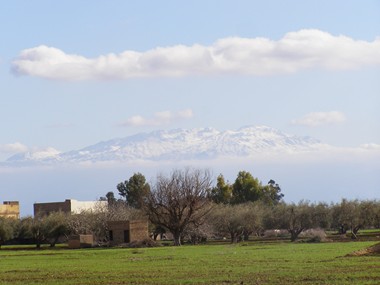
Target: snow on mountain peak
182, 144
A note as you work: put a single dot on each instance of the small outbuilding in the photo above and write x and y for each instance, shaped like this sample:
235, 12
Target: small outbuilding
127, 231
80, 241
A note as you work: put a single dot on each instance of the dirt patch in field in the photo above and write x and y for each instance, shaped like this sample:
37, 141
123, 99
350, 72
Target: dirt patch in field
372, 250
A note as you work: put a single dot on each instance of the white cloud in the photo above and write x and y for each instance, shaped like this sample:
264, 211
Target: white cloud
18, 150
321, 118
370, 146
296, 51
13, 148
159, 118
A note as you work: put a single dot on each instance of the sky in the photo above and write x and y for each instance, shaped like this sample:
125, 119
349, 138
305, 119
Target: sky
73, 73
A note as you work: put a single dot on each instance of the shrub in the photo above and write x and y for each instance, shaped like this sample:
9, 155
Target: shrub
143, 243
314, 235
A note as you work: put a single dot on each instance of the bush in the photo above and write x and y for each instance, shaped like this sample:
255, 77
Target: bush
143, 243
314, 235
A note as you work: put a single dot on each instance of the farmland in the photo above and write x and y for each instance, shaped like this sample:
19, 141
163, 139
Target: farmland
244, 263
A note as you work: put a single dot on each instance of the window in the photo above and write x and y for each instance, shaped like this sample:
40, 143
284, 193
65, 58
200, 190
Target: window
110, 233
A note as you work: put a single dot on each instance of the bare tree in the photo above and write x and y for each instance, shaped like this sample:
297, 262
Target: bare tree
179, 200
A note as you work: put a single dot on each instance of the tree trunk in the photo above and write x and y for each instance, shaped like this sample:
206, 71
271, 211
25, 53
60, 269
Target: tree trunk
354, 232
294, 233
234, 237
54, 242
177, 239
246, 235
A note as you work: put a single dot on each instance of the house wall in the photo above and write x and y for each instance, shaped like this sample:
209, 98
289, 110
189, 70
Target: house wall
138, 230
47, 208
69, 206
117, 228
10, 209
80, 241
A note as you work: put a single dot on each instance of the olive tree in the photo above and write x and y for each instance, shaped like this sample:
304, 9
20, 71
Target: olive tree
44, 229
353, 215
57, 226
295, 218
179, 200
237, 221
6, 229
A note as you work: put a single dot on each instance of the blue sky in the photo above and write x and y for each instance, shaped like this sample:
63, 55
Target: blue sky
200, 64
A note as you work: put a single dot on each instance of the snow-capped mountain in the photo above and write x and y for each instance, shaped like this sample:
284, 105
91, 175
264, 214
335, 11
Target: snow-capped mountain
181, 144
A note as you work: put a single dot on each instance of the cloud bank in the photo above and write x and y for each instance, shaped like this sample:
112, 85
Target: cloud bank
315, 119
159, 118
296, 51
13, 148
18, 150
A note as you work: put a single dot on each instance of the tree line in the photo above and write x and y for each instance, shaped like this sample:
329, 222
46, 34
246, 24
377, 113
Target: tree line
191, 208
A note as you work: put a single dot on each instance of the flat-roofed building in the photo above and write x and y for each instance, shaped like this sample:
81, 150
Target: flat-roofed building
10, 209
127, 231
69, 206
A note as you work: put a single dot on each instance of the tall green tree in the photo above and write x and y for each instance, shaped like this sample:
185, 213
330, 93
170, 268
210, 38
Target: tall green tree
271, 193
246, 188
222, 192
135, 190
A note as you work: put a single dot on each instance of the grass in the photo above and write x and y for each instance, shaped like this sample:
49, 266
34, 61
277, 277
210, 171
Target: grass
247, 263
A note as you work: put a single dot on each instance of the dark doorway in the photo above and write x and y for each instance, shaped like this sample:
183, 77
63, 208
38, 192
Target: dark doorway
126, 236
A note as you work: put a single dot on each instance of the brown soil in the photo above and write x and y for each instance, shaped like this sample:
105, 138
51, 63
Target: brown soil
372, 250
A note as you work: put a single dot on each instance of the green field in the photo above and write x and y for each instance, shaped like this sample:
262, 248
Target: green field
252, 263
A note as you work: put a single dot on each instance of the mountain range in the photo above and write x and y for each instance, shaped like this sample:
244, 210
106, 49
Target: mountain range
179, 144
